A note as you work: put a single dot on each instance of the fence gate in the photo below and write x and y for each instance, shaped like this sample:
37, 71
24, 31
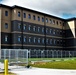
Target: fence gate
15, 56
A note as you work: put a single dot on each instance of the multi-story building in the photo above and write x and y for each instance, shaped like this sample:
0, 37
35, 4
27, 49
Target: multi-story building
22, 28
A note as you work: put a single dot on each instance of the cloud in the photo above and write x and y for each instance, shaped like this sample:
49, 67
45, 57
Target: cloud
53, 7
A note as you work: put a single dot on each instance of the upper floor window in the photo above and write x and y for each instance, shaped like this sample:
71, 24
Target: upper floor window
29, 16
50, 31
24, 39
6, 38
50, 41
34, 17
53, 21
63, 24
6, 25
24, 15
46, 20
54, 41
34, 39
38, 18
38, 29
60, 22
54, 32
43, 40
18, 14
46, 30
6, 13
57, 41
57, 22
19, 26
29, 27
42, 30
24, 27
47, 41
50, 21
19, 38
42, 19
38, 40
34, 28
29, 39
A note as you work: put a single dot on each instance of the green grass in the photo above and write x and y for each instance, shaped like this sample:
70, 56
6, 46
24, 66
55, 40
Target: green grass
39, 59
69, 64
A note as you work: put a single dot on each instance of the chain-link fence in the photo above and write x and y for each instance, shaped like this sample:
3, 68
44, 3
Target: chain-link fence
47, 54
15, 56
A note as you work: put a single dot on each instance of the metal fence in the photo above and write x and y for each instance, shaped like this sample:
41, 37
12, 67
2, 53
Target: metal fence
24, 55
51, 54
15, 55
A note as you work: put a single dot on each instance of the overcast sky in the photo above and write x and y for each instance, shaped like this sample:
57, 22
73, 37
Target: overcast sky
61, 8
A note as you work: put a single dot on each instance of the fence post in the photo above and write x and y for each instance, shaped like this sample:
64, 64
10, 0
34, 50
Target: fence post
6, 67
27, 57
9, 55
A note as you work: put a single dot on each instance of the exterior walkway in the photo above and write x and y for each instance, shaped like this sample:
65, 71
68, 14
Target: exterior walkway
42, 71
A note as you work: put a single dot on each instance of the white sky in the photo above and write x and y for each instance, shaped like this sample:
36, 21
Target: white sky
54, 7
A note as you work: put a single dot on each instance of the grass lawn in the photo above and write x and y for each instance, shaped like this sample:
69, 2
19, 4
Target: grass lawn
2, 73
38, 59
69, 64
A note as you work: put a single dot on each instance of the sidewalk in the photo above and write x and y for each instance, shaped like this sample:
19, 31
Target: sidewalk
42, 71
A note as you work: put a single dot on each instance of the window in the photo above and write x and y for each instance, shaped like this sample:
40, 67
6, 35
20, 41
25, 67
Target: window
38, 18
19, 38
50, 41
38, 40
50, 21
42, 19
29, 16
6, 38
24, 15
60, 22
29, 39
50, 31
54, 41
6, 25
6, 13
57, 22
34, 17
61, 42
57, 41
43, 40
18, 14
54, 32
42, 30
34, 39
63, 24
24, 27
53, 21
34, 28
47, 41
24, 39
19, 26
46, 30
60, 32
29, 27
46, 20
38, 29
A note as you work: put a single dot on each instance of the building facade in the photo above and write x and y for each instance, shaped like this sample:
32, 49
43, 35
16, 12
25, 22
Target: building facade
22, 28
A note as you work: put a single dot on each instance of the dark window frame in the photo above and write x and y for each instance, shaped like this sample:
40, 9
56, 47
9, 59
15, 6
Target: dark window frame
6, 25
6, 13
